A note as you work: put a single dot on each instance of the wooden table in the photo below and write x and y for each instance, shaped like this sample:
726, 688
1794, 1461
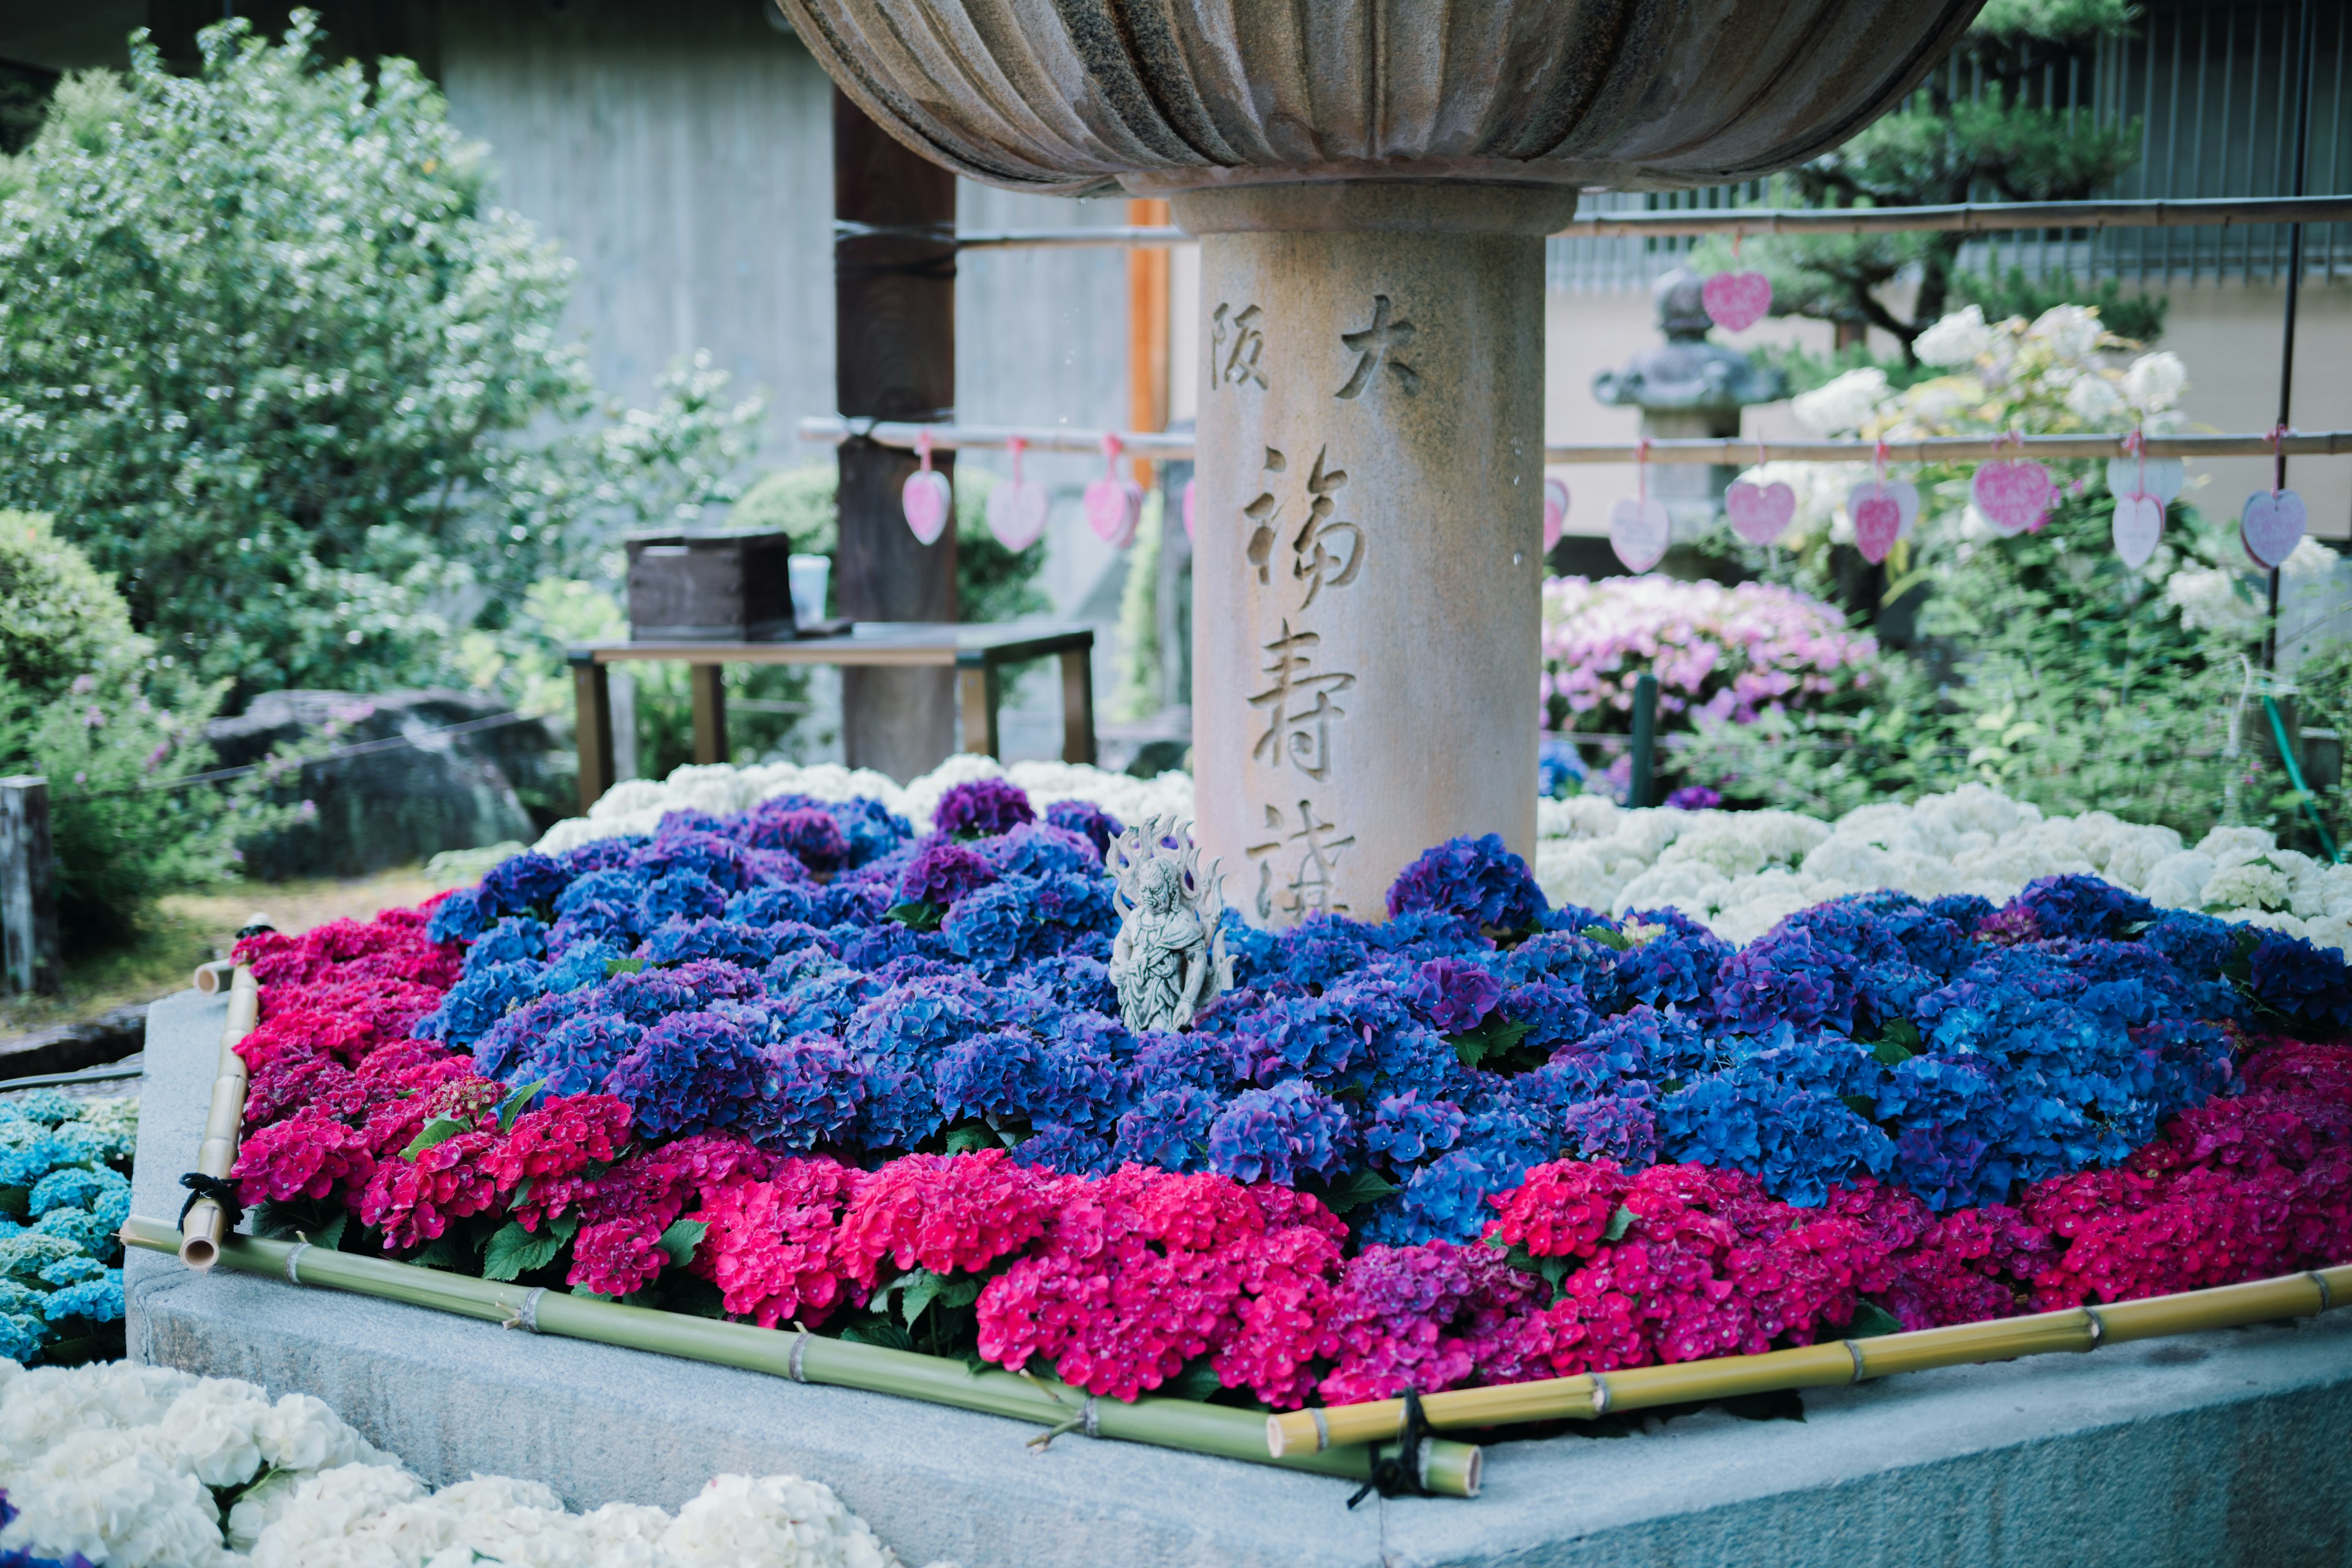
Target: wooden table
975, 652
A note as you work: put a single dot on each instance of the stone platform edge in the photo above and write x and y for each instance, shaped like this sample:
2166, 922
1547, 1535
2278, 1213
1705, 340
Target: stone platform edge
2215, 1448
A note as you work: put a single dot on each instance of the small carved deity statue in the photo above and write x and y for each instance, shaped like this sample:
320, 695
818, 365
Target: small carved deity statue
1170, 960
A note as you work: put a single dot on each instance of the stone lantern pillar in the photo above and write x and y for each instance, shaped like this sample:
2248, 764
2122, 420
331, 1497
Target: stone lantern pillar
1689, 388
1371, 182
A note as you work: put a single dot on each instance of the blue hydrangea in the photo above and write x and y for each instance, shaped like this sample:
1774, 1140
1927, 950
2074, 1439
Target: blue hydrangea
478, 1002
1089, 821
1071, 1151
1037, 849
87, 1230
1280, 1134
716, 859
2292, 976
2083, 906
598, 855
1168, 1128
1076, 983
516, 939
77, 1188
684, 893
585, 963
459, 917
773, 906
679, 941
100, 1300
693, 1070
71, 1271
810, 1092
1445, 1200
525, 881
1403, 1128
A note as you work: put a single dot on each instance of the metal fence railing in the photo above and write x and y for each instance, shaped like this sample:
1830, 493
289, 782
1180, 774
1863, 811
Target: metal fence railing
2211, 85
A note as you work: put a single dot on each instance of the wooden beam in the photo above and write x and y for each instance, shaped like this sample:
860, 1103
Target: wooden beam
1147, 332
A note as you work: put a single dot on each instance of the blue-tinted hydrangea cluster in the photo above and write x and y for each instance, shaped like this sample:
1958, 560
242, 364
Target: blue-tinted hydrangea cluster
65, 1196
815, 976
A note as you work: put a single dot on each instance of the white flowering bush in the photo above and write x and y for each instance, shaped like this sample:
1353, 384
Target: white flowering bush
1739, 872
139, 1467
637, 805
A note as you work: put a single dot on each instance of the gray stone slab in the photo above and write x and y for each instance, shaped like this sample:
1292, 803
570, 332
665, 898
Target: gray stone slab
2217, 1448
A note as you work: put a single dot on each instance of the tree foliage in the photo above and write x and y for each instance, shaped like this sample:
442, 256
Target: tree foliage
2004, 145
270, 354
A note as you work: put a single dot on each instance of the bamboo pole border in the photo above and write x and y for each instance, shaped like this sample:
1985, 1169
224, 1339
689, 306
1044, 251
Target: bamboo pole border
201, 1228
1446, 1468
1591, 1395
1735, 452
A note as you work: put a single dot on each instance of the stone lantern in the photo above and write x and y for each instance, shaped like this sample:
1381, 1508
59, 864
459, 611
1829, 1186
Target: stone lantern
1372, 181
1687, 387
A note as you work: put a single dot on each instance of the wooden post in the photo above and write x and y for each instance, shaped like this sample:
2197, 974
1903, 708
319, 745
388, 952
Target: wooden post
709, 683
976, 691
1147, 331
28, 906
591, 722
1078, 706
894, 358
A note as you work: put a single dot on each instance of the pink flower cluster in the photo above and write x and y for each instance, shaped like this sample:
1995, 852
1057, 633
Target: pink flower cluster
1727, 652
1121, 1282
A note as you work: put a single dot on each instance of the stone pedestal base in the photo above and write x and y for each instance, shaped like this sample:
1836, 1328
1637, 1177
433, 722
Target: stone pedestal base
1368, 548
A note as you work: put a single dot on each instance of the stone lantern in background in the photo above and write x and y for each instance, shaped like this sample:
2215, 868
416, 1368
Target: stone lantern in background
1372, 183
1687, 387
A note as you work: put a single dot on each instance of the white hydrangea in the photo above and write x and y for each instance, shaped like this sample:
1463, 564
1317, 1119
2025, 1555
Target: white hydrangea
1740, 873
2208, 600
2155, 382
1959, 338
2094, 400
2072, 332
121, 1463
2309, 560
1843, 406
636, 807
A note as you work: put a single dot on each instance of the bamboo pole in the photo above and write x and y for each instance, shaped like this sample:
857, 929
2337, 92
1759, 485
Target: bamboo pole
201, 1228
1590, 1395
1734, 451
212, 978
1446, 1469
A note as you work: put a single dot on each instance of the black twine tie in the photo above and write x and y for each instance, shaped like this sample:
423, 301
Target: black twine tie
1399, 1474
220, 1189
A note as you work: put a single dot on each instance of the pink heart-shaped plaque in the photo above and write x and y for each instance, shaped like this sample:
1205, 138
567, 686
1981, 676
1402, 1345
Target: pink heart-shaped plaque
1555, 512
2014, 494
1737, 301
1760, 513
1878, 525
1017, 512
1640, 530
2270, 527
1902, 492
1113, 509
1188, 508
2159, 476
2139, 523
926, 500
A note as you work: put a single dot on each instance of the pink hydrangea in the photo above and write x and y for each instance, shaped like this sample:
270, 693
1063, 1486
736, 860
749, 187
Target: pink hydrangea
943, 1212
770, 1244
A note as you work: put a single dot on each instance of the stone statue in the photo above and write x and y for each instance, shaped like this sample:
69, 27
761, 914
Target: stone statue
1170, 960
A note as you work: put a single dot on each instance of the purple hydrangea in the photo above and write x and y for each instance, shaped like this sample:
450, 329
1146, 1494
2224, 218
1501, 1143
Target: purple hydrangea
1693, 797
1089, 821
1476, 879
981, 809
943, 872
2085, 907
808, 832
693, 1070
810, 1093
1454, 995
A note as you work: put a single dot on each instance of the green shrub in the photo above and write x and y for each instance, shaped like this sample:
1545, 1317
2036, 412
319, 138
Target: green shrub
270, 354
116, 729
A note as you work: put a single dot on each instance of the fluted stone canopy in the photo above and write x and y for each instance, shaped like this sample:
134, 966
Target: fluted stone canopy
1076, 97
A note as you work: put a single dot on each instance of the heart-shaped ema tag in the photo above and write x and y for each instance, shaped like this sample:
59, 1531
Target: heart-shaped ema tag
926, 500
1113, 509
1555, 512
2163, 479
1640, 530
2139, 523
1759, 513
2014, 494
2270, 527
1017, 512
1737, 301
1883, 512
